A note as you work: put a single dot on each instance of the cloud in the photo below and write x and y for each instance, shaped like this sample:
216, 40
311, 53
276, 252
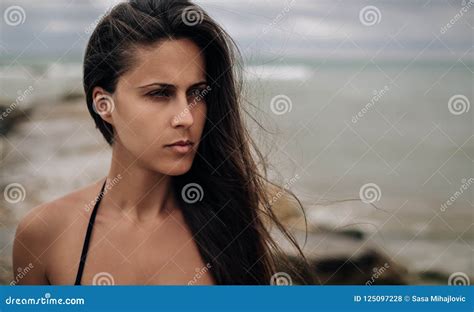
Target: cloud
293, 28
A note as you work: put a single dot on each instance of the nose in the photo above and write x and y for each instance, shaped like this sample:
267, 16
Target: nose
183, 116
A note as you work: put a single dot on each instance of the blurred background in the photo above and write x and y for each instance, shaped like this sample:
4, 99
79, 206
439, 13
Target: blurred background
367, 104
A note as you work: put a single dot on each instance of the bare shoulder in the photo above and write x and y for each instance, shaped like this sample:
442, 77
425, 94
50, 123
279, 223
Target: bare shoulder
52, 216
43, 226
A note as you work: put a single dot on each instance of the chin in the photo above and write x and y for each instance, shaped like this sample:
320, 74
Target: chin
178, 168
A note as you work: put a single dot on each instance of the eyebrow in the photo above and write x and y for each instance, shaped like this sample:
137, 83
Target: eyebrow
167, 85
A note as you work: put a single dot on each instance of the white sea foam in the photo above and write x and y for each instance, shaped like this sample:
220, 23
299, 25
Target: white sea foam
277, 72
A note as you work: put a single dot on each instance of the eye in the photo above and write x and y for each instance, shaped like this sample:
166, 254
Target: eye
159, 93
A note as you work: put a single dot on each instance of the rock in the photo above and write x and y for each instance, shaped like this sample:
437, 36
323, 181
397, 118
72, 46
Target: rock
338, 259
336, 256
10, 117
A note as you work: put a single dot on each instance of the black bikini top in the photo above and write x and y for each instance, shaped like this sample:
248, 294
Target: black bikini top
85, 247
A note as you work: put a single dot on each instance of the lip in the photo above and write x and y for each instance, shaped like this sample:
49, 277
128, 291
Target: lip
181, 143
181, 146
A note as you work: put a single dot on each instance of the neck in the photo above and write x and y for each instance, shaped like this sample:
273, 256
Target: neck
141, 193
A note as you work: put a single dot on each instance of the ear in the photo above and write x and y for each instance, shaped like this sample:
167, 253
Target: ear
103, 104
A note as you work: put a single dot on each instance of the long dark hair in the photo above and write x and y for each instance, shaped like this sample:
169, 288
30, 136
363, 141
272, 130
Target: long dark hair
231, 222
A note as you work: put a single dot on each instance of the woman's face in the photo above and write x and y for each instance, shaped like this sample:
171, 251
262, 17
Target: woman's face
159, 101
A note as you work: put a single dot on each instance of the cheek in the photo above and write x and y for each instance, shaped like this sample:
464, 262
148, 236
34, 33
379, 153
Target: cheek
143, 129
139, 126
199, 115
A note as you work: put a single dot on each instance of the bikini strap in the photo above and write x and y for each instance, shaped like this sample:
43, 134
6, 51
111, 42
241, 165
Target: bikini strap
85, 247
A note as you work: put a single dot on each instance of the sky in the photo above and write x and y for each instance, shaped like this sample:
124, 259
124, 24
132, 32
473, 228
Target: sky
299, 29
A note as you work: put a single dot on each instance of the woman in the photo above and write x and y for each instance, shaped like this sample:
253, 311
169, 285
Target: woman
183, 202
